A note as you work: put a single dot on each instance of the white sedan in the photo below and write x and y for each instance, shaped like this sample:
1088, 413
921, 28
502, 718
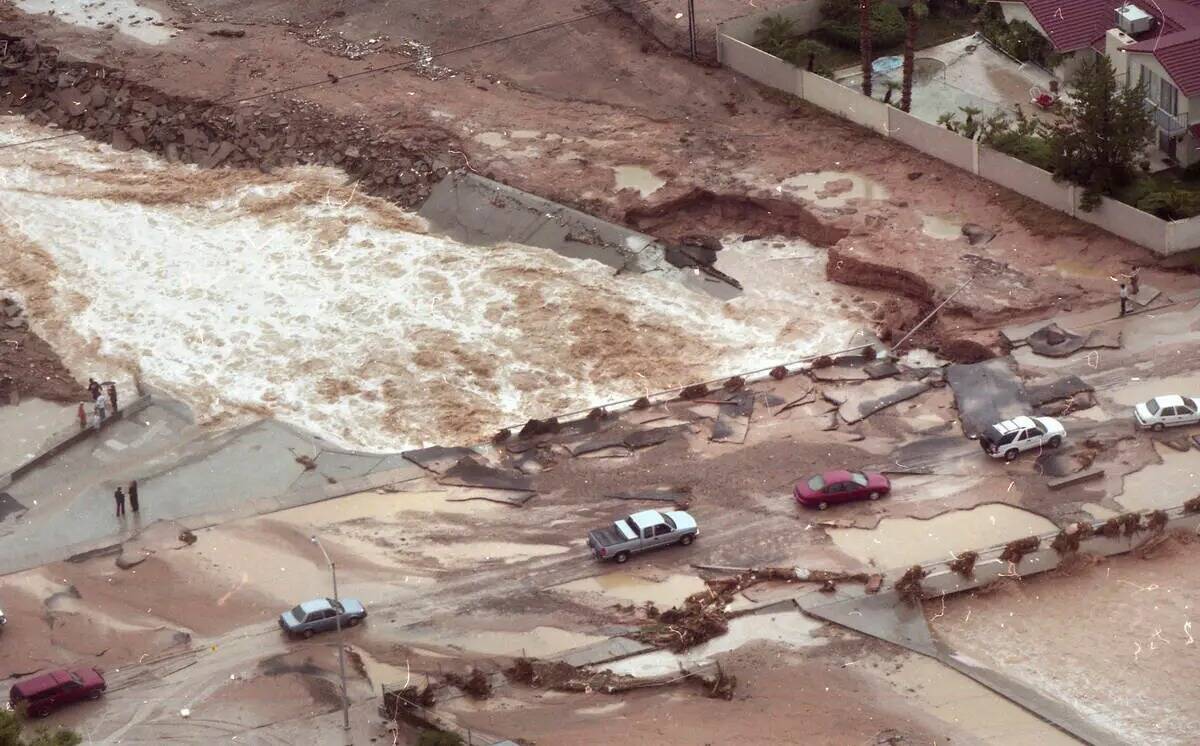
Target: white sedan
1167, 411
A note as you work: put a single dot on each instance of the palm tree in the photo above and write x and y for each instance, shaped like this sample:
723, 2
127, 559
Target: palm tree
912, 12
864, 43
775, 35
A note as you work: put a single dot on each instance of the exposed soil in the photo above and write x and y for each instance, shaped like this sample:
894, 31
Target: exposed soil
702, 211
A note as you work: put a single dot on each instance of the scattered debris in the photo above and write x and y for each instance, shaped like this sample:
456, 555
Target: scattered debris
677, 495
1054, 341
1069, 539
187, 537
562, 676
1126, 523
476, 683
470, 472
307, 462
1192, 506
909, 585
1016, 550
228, 33
964, 564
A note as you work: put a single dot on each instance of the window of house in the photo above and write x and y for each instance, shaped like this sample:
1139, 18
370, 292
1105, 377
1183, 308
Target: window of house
1168, 98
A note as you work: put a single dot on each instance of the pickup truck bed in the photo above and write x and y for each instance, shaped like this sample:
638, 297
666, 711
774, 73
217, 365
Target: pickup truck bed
604, 537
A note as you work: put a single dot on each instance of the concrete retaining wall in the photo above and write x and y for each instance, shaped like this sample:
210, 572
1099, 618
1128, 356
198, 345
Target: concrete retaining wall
1183, 235
1026, 179
757, 64
846, 103
1129, 222
929, 138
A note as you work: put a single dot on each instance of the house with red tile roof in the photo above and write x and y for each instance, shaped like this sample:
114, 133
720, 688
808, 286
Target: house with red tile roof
1151, 43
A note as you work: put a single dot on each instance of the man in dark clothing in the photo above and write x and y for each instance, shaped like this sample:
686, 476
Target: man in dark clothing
119, 496
133, 503
93, 389
112, 396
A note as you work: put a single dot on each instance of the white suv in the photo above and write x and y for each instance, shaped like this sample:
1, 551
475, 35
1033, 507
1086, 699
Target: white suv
1009, 438
1167, 411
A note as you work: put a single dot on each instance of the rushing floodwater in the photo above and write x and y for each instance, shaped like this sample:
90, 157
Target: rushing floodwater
294, 296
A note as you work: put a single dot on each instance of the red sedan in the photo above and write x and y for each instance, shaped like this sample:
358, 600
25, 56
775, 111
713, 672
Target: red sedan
841, 486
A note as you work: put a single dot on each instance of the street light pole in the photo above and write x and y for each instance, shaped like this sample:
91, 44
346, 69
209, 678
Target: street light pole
341, 646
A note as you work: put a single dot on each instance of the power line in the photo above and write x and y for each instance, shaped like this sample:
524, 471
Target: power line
352, 76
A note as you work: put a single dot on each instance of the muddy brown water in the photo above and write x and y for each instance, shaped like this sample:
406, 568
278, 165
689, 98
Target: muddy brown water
1165, 485
631, 588
901, 542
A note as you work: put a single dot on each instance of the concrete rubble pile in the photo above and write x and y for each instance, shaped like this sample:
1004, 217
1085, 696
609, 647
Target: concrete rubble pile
267, 133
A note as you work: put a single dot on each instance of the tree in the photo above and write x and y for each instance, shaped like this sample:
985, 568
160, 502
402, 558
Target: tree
11, 728
775, 35
864, 44
913, 13
1104, 130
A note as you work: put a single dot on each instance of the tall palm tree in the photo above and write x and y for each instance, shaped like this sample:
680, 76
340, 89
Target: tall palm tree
864, 43
912, 14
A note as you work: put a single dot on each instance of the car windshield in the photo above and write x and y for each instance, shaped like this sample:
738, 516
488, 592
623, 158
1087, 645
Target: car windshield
859, 478
1041, 428
816, 483
75, 678
667, 520
336, 605
298, 613
1152, 406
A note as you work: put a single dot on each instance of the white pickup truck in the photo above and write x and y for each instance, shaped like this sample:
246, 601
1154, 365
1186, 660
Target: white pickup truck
648, 529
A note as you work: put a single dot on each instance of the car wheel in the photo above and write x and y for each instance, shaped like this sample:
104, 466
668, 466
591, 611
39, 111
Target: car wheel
687, 539
822, 505
1011, 454
1157, 427
40, 712
95, 694
353, 621
621, 558
873, 496
306, 634
1054, 442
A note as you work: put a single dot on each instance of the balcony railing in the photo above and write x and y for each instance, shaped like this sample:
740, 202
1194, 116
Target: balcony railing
1169, 123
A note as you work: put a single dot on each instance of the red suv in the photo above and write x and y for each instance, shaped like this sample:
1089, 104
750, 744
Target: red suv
41, 694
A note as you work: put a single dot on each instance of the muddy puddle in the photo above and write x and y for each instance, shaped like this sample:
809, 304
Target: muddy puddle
640, 179
28, 426
539, 642
940, 228
1082, 270
629, 588
384, 507
1165, 485
901, 542
125, 16
972, 707
833, 188
473, 552
380, 673
792, 629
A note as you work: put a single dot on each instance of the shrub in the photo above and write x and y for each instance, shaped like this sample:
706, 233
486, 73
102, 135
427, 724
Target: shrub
1171, 204
839, 24
778, 36
439, 738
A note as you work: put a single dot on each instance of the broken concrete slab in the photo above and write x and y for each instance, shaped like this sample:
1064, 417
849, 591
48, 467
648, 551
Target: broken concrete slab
646, 438
1104, 337
882, 369
839, 373
1083, 476
618, 451
516, 499
733, 422
9, 506
593, 445
1052, 340
471, 473
867, 399
881, 615
1146, 294
986, 393
438, 459
1040, 394
603, 652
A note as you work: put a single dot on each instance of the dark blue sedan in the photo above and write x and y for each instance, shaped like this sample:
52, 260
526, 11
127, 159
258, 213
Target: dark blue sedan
321, 615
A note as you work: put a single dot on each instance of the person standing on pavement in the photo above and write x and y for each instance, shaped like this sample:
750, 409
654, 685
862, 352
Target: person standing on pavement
119, 496
94, 389
1124, 297
102, 407
133, 497
1134, 283
82, 417
112, 396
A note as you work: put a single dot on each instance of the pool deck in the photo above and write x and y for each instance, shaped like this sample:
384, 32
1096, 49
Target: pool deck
972, 73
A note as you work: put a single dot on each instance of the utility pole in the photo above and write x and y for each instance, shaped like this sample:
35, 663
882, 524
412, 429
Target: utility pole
340, 644
692, 28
